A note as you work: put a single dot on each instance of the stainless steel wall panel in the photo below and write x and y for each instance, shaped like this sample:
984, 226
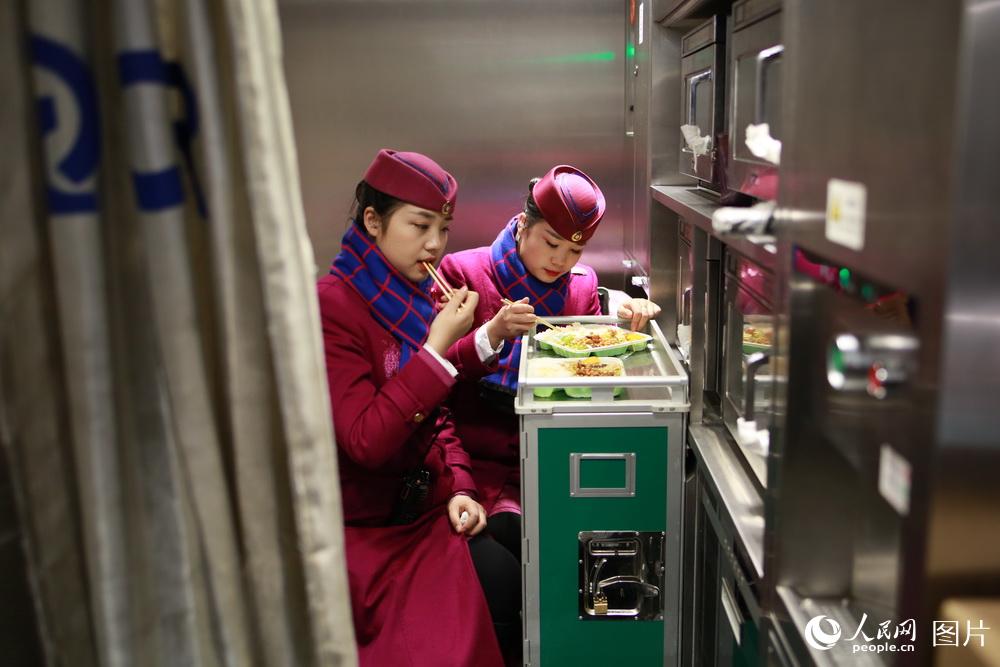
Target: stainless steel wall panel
497, 92
879, 110
917, 127
638, 82
664, 116
968, 428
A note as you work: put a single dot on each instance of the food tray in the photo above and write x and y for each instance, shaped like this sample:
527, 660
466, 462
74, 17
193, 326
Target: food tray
751, 330
750, 348
653, 380
551, 367
554, 339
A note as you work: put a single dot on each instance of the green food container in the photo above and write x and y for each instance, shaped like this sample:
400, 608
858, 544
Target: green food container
568, 353
545, 392
584, 392
751, 348
545, 342
557, 368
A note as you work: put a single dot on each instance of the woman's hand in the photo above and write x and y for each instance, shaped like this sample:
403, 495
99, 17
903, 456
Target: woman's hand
475, 516
510, 322
640, 311
453, 320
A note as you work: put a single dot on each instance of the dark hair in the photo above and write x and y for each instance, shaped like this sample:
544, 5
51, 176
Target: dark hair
365, 196
531, 212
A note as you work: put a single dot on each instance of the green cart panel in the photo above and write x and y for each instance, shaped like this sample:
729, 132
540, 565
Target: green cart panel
566, 638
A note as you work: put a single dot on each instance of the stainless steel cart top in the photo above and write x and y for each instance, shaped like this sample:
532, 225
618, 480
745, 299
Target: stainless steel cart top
654, 379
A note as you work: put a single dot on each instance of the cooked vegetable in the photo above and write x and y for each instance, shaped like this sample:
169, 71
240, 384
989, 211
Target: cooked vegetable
576, 337
756, 336
595, 367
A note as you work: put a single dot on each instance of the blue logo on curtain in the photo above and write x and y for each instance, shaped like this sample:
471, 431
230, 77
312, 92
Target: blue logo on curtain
70, 187
158, 190
70, 184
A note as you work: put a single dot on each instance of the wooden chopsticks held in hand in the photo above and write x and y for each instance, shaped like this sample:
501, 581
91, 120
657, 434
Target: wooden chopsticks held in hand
542, 320
442, 285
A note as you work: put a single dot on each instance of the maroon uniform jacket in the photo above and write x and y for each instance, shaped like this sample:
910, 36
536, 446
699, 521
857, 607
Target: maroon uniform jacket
488, 434
415, 596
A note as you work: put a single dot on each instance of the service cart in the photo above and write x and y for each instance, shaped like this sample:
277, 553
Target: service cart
601, 481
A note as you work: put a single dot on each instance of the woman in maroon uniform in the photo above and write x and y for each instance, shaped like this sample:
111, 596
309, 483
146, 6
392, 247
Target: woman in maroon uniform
534, 263
412, 522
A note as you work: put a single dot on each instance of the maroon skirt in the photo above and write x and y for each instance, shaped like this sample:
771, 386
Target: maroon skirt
415, 596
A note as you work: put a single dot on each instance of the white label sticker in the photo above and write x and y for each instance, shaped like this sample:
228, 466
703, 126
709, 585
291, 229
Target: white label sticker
845, 213
894, 479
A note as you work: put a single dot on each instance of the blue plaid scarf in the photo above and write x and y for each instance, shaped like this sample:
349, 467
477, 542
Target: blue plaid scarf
514, 282
403, 308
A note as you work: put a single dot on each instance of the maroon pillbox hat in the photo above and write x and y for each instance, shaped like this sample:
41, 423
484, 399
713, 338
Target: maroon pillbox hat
413, 178
570, 202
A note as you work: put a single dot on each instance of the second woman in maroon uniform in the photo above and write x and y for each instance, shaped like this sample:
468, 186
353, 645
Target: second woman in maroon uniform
533, 262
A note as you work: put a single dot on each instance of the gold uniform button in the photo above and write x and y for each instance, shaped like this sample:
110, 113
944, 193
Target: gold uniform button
418, 417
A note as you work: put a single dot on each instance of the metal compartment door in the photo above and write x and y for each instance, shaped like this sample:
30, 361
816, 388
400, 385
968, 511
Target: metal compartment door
749, 331
698, 102
702, 74
726, 612
755, 94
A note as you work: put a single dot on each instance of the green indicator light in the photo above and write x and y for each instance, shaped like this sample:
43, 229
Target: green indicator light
596, 57
845, 277
631, 50
868, 293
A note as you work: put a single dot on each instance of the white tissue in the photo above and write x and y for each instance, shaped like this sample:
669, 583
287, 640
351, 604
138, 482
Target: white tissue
743, 219
754, 439
762, 144
698, 144
684, 340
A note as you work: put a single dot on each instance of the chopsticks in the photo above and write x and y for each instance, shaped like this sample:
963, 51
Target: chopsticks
449, 292
541, 320
442, 285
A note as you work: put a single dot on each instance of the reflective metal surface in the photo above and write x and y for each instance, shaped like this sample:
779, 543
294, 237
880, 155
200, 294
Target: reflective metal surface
497, 92
743, 504
968, 430
665, 271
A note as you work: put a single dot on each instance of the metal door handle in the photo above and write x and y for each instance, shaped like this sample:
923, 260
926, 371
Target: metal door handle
754, 362
729, 607
764, 58
693, 83
647, 589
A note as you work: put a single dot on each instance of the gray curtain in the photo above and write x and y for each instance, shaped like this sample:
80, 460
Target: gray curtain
163, 401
